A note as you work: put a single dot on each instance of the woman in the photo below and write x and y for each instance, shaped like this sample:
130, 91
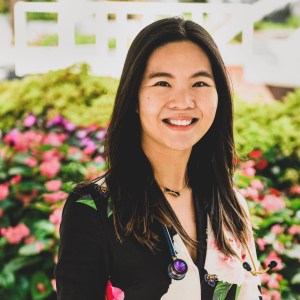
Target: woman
165, 222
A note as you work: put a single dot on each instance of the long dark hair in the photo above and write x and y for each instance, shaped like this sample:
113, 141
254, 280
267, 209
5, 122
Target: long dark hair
136, 197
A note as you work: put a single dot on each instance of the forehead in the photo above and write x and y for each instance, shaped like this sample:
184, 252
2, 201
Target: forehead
183, 56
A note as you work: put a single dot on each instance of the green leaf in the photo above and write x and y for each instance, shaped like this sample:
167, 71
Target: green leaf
43, 228
3, 175
237, 292
88, 202
40, 279
221, 290
294, 252
7, 279
35, 247
41, 207
17, 170
19, 291
19, 263
296, 279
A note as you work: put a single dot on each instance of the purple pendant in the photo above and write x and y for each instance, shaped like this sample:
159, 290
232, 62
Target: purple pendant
177, 269
180, 266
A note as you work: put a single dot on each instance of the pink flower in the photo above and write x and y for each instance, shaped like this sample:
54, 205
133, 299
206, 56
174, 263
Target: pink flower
29, 240
13, 137
249, 172
277, 229
41, 287
99, 159
33, 138
26, 198
279, 277
1, 212
55, 217
274, 256
113, 293
295, 189
257, 184
272, 203
93, 172
89, 149
16, 179
266, 294
29, 120
250, 193
50, 168
261, 244
31, 162
261, 165
18, 141
55, 197
52, 154
39, 246
276, 295
54, 139
294, 229
4, 191
53, 185
265, 277
53, 282
14, 235
273, 284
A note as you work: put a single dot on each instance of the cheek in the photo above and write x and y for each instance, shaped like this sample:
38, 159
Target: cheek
208, 104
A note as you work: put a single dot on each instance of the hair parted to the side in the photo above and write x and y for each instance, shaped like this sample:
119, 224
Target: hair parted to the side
136, 197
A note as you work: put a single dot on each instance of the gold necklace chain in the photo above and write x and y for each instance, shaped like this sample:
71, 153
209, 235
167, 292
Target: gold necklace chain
173, 192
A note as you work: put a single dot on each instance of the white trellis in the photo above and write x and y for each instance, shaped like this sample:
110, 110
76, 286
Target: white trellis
113, 21
106, 61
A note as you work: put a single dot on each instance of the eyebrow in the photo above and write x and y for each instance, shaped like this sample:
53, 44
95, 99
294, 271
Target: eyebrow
169, 75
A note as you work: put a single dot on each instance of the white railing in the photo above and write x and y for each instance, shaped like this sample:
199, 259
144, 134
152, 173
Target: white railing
121, 28
113, 21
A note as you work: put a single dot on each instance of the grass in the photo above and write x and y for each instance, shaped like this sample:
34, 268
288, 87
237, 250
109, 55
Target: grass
80, 39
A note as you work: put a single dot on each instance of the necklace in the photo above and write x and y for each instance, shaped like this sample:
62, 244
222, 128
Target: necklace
174, 193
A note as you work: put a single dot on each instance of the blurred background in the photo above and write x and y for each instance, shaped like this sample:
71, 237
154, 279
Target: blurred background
60, 63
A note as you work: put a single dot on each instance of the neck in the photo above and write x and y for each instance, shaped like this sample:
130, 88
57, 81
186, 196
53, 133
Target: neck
169, 166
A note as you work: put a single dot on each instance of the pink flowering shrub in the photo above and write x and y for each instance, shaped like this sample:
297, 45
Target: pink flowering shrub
40, 162
274, 205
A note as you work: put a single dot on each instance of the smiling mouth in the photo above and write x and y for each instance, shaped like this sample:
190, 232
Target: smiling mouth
180, 122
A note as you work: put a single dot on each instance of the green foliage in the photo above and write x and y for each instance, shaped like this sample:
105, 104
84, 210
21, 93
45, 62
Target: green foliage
41, 16
52, 40
292, 22
32, 194
3, 6
273, 128
72, 93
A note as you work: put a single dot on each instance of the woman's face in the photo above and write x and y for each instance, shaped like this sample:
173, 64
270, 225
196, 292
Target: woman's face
177, 97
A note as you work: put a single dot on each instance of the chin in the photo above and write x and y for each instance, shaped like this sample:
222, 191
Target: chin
180, 146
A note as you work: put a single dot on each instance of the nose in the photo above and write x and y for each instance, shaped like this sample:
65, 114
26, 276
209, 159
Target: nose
182, 99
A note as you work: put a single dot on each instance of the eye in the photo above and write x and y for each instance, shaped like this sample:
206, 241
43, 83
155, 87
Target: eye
200, 84
162, 83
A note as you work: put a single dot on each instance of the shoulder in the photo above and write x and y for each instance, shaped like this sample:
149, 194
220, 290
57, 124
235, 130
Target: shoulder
87, 199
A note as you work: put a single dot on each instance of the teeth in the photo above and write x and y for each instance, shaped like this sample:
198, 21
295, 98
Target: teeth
180, 122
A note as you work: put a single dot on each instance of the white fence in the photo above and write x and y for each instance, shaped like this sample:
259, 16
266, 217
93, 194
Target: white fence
119, 22
112, 21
